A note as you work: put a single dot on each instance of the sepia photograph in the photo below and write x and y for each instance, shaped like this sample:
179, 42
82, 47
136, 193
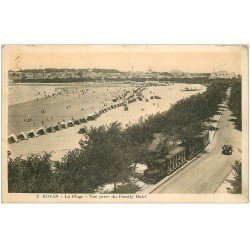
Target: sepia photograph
125, 123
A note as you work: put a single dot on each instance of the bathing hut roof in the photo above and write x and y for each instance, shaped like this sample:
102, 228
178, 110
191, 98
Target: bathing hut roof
12, 136
90, 115
70, 123
76, 120
57, 126
83, 119
50, 128
31, 132
23, 134
42, 128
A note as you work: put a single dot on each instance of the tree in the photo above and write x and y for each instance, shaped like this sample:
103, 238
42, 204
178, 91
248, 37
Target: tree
32, 175
110, 150
236, 182
77, 174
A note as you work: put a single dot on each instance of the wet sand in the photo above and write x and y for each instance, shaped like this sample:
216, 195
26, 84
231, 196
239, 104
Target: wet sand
60, 142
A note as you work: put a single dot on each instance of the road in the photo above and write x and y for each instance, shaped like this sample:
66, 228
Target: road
206, 174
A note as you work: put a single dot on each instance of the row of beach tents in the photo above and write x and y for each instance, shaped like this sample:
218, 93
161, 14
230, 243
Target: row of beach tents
61, 125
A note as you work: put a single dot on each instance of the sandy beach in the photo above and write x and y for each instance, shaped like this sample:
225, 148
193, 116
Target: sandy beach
47, 105
60, 142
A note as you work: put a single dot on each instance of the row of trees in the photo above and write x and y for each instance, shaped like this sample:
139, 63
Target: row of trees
235, 103
110, 152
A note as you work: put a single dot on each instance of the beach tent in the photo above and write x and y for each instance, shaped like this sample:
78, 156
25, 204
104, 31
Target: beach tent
12, 138
96, 114
63, 125
109, 107
70, 124
41, 131
83, 120
22, 136
50, 129
90, 117
31, 134
57, 127
77, 122
82, 130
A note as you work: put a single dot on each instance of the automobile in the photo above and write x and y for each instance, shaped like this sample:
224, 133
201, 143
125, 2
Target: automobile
227, 149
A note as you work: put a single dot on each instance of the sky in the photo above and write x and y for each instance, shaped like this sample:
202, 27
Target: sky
187, 58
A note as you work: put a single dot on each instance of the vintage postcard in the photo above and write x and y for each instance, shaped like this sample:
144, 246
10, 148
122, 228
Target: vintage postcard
125, 123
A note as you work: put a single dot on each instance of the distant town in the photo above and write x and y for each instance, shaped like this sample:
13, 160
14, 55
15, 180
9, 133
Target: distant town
52, 75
